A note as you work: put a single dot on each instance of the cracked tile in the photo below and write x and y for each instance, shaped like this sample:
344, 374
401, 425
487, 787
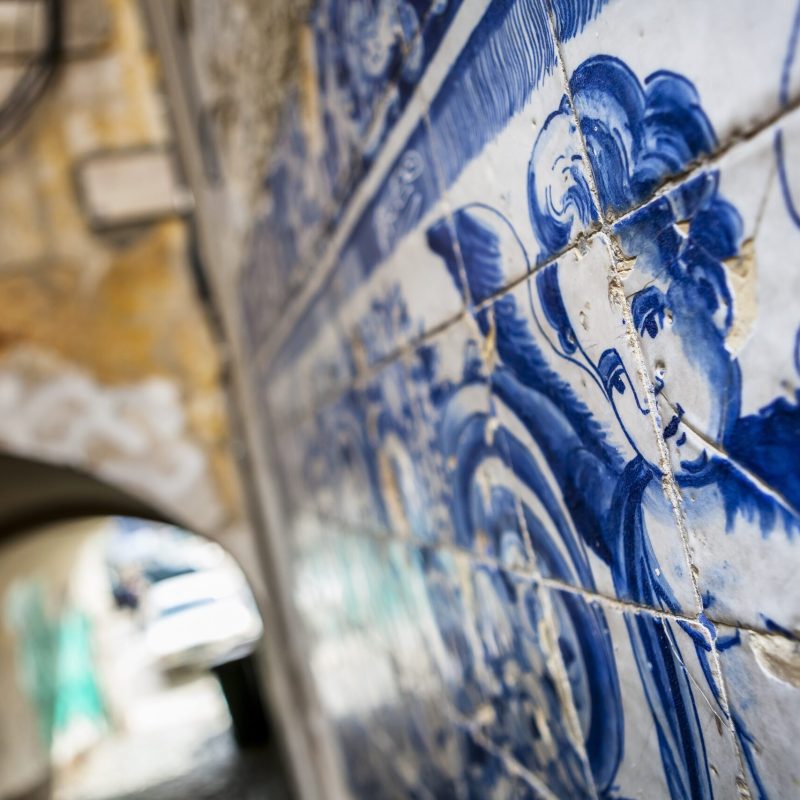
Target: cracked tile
707, 282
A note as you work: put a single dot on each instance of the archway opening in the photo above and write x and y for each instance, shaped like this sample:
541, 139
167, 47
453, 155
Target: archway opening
129, 652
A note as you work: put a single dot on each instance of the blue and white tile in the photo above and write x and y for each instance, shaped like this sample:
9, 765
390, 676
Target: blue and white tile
402, 453
359, 49
369, 618
386, 275
763, 688
481, 490
410, 405
423, 25
527, 186
487, 144
709, 268
288, 450
489, 776
341, 465
427, 27
312, 366
638, 73
649, 701
422, 738
575, 428
297, 198
488, 512
327, 467
505, 678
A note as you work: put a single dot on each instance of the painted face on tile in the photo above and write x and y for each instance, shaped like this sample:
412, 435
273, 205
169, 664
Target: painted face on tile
682, 307
593, 337
690, 386
636, 133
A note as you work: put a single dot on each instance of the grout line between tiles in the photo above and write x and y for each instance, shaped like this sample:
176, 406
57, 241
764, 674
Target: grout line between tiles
386, 536
617, 292
669, 483
267, 350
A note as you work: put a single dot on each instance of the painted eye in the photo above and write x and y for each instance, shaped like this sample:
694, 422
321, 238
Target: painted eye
553, 306
612, 372
648, 308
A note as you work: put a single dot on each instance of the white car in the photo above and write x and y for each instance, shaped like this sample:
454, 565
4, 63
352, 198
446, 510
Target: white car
199, 619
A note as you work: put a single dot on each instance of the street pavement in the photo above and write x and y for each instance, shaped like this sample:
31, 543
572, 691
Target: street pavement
222, 772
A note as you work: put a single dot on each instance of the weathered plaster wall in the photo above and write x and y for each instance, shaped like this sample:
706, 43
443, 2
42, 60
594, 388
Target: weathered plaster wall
521, 323
246, 53
107, 361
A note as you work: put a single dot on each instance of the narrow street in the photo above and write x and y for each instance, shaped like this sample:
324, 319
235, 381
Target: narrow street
168, 738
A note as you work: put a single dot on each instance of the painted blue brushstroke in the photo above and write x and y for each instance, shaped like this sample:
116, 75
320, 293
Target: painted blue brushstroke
505, 615
434, 19
572, 16
503, 62
780, 159
789, 59
358, 45
554, 210
637, 135
408, 191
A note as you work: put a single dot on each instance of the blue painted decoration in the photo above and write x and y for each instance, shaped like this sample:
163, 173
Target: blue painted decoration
487, 502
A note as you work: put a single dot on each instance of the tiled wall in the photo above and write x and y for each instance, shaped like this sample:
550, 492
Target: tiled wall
523, 318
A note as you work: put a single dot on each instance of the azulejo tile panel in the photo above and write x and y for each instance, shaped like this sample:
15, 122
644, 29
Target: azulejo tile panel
535, 403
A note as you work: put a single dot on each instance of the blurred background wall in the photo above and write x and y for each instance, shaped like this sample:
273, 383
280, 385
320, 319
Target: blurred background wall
109, 361
113, 364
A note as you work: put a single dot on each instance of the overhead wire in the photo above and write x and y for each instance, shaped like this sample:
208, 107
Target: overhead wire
37, 75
